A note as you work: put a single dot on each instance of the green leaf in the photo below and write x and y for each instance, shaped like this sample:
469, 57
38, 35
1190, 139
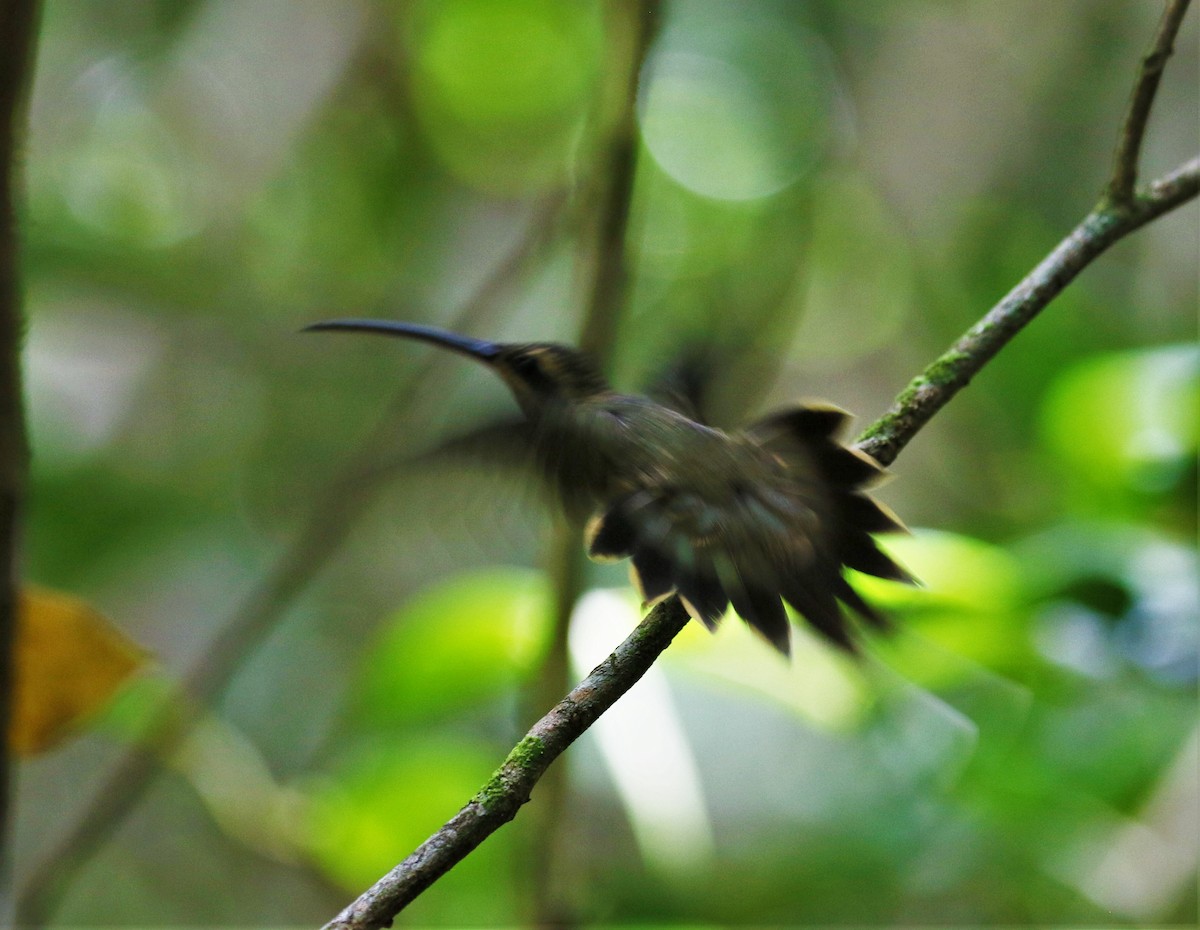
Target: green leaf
466, 641
500, 88
1127, 421
955, 572
970, 605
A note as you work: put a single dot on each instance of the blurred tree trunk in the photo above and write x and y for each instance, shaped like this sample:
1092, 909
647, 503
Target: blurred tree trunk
18, 20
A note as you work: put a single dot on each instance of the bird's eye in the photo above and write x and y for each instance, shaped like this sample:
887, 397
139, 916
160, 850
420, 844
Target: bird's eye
527, 366
531, 369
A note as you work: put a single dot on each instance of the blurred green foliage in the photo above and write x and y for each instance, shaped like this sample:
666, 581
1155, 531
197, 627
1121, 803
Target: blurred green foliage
827, 194
422, 667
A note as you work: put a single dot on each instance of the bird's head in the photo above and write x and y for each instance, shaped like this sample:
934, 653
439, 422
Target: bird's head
538, 373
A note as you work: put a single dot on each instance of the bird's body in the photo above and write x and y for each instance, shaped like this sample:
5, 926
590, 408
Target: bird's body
746, 517
612, 444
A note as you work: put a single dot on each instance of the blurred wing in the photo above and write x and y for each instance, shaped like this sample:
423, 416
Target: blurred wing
506, 443
685, 384
495, 461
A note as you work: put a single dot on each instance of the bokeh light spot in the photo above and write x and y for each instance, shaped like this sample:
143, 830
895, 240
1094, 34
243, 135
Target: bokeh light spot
734, 108
502, 86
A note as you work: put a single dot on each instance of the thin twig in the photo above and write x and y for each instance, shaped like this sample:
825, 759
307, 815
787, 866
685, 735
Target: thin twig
500, 799
927, 393
1133, 130
323, 532
1169, 191
616, 169
601, 321
18, 28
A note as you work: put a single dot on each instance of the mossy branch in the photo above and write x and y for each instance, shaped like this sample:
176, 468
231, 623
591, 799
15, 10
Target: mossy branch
498, 801
509, 788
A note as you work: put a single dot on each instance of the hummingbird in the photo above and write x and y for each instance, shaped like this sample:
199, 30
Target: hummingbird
750, 518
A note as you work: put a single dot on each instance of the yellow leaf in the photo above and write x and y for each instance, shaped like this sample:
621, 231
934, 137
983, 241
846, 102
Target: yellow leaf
69, 661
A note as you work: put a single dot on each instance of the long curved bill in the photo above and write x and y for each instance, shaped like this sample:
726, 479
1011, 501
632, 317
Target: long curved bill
465, 345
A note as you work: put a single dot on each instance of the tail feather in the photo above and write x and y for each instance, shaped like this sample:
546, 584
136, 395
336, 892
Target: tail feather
652, 574
852, 599
770, 619
703, 597
610, 536
818, 421
860, 552
759, 607
848, 468
821, 610
864, 513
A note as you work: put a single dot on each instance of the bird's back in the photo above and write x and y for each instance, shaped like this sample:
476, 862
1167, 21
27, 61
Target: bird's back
745, 518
